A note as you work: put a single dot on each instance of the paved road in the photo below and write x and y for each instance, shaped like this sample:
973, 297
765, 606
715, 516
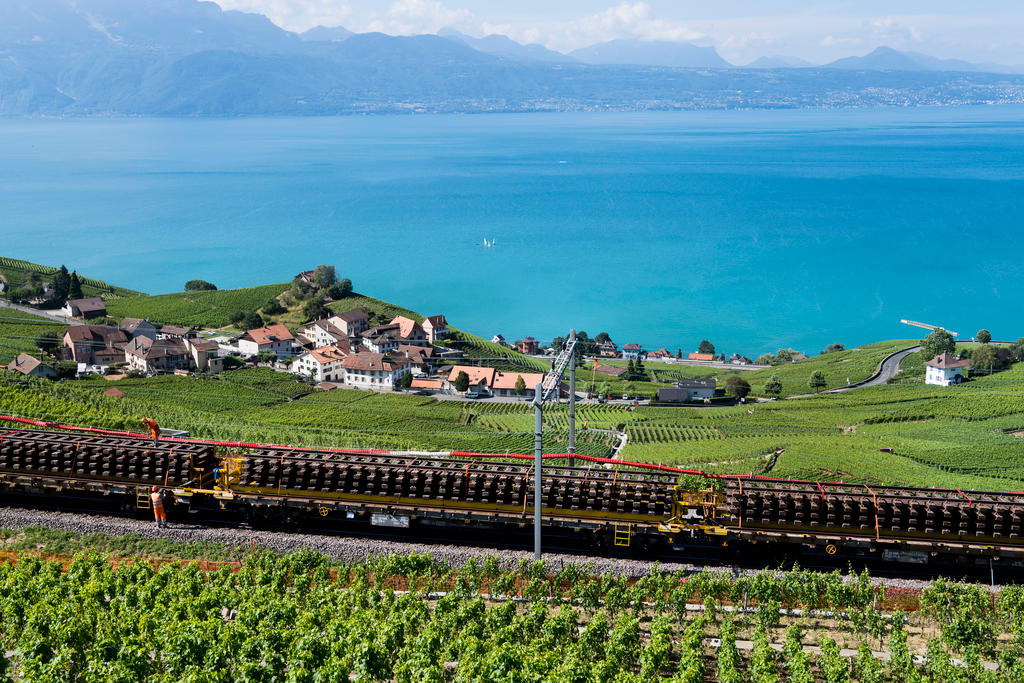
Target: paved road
43, 314
887, 369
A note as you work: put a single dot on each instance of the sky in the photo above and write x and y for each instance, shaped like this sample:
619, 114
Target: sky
741, 30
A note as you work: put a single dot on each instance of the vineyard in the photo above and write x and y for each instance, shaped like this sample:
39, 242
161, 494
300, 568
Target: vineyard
967, 436
16, 271
18, 332
204, 308
302, 617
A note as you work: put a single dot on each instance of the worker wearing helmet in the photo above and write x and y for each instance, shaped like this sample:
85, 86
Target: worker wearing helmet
158, 507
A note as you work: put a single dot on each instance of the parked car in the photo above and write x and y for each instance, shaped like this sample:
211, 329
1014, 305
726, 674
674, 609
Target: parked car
472, 394
625, 397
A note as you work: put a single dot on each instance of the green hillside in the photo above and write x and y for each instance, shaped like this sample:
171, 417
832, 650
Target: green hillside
16, 272
205, 308
19, 332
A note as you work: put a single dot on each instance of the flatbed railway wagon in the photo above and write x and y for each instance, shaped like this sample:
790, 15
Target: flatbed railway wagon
606, 507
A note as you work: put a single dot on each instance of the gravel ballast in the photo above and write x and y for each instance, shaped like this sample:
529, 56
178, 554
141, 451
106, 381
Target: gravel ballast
343, 548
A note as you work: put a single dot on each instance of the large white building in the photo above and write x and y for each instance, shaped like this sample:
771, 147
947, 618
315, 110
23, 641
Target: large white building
374, 370
274, 338
944, 370
323, 364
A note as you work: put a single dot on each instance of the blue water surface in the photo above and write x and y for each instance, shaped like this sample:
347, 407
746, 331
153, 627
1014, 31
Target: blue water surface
756, 230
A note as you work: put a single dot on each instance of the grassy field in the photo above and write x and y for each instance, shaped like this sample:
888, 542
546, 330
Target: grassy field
16, 271
19, 330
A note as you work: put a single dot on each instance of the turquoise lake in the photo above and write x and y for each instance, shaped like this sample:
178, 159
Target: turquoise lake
755, 230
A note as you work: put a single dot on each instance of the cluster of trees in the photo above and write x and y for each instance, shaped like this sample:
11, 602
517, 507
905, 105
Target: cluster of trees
246, 321
780, 356
635, 371
984, 357
200, 286
324, 286
65, 285
832, 348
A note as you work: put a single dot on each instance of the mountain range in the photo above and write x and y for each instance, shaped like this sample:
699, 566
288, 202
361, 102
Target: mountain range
190, 58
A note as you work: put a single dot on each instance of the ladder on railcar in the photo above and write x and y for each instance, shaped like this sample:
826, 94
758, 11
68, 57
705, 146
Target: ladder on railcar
623, 535
142, 501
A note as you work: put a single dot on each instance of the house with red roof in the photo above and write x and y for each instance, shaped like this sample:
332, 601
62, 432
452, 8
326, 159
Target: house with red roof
274, 338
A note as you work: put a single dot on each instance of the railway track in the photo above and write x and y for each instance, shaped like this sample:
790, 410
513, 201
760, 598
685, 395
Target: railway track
611, 509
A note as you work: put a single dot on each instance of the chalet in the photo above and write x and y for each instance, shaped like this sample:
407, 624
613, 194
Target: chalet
323, 364
163, 355
505, 383
91, 344
436, 328
31, 367
499, 340
274, 338
93, 307
608, 350
797, 356
374, 370
737, 359
660, 354
633, 351
480, 379
205, 355
137, 327
702, 356
944, 370
351, 323
305, 276
323, 333
175, 332
529, 346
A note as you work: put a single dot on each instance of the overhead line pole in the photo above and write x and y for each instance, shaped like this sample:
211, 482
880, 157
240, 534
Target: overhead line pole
572, 398
538, 450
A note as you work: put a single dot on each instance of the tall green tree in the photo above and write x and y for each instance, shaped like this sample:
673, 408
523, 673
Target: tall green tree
324, 276
461, 381
784, 355
602, 337
937, 342
75, 288
765, 359
706, 347
200, 286
520, 386
985, 359
984, 336
773, 387
817, 380
405, 381
61, 286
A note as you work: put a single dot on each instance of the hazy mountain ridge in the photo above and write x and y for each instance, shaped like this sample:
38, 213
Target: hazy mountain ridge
188, 58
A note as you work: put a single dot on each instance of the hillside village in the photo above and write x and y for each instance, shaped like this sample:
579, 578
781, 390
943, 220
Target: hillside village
360, 349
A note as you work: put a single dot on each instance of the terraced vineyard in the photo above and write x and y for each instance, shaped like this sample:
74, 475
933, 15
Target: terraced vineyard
16, 271
207, 308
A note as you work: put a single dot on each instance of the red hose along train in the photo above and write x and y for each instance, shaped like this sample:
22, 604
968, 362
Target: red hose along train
601, 504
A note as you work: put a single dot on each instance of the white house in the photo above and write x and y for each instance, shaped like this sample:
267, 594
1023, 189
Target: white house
323, 333
274, 338
323, 364
374, 370
633, 351
382, 343
944, 370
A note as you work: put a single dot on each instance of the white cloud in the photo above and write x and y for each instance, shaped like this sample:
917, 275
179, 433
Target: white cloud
295, 15
410, 17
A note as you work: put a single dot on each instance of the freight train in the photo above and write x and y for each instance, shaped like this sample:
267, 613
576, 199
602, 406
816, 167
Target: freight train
601, 505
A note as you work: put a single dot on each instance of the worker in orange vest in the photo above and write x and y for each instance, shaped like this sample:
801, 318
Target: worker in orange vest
158, 507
